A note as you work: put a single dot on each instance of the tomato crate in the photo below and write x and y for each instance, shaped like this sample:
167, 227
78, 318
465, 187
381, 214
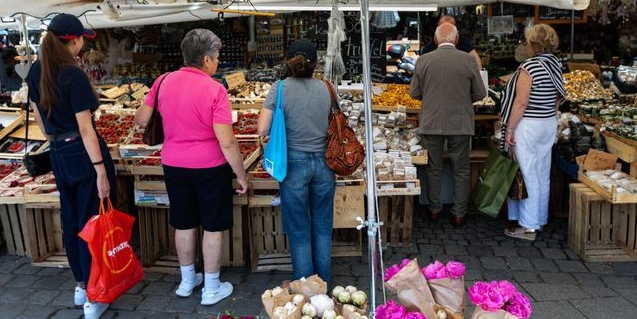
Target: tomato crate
396, 213
595, 225
44, 234
13, 219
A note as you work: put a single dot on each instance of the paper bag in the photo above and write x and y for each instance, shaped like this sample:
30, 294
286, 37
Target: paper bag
351, 312
270, 302
412, 289
449, 292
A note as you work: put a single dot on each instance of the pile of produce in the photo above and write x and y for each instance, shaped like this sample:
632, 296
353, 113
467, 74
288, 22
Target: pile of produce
395, 95
582, 85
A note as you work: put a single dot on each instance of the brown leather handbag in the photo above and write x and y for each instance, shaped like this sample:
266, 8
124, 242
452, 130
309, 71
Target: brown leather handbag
518, 187
154, 131
344, 153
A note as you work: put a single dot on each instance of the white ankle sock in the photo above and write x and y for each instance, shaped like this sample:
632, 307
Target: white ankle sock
188, 273
212, 281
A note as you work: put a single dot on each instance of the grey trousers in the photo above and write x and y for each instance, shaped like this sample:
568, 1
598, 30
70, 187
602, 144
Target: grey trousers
458, 149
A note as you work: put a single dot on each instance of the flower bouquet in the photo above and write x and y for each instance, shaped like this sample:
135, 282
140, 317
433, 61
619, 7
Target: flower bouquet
392, 310
447, 285
498, 300
407, 282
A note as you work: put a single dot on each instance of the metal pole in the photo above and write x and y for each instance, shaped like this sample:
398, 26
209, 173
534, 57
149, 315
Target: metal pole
369, 154
572, 32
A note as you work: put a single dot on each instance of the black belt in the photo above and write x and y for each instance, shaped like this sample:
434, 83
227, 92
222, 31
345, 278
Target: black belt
66, 137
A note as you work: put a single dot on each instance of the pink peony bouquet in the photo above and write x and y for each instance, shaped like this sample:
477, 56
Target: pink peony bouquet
500, 295
393, 310
437, 270
394, 269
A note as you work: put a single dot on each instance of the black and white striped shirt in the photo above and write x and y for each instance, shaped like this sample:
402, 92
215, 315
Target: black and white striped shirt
547, 83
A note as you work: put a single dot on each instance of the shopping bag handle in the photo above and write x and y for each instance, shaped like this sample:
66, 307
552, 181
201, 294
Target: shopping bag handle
109, 205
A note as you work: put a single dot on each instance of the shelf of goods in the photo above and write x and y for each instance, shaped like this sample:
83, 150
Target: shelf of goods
268, 243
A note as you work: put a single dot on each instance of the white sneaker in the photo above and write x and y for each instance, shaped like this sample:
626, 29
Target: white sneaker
93, 310
185, 288
80, 296
209, 298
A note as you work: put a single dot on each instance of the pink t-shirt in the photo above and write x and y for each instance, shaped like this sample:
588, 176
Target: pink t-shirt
190, 102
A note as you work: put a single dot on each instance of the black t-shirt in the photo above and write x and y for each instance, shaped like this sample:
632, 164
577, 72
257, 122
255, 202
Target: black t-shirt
74, 94
463, 44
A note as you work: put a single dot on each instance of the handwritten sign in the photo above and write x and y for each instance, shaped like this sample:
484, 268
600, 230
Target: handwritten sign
556, 16
352, 49
318, 27
235, 79
596, 160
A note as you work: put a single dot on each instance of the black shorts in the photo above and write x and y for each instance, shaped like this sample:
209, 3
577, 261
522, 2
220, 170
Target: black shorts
200, 196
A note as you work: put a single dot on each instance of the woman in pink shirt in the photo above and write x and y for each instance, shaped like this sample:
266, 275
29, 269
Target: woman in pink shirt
200, 155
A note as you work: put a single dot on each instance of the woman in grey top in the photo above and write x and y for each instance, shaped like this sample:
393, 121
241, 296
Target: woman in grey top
307, 192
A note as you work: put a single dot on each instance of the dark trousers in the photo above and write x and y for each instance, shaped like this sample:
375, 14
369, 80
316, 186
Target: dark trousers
75, 178
458, 149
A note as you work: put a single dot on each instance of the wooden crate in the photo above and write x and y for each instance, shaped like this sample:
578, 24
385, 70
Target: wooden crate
349, 203
396, 213
157, 240
624, 148
611, 195
13, 221
627, 235
44, 234
268, 243
594, 226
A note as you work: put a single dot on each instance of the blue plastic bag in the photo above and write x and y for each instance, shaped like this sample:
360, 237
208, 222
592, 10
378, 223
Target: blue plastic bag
275, 156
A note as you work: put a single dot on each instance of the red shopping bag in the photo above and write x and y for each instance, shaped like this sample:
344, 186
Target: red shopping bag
114, 268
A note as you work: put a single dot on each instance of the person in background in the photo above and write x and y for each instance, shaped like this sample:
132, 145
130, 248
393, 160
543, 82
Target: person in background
448, 82
200, 155
530, 105
63, 101
307, 192
463, 43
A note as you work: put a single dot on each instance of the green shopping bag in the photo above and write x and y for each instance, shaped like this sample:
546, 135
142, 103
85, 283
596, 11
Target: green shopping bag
494, 182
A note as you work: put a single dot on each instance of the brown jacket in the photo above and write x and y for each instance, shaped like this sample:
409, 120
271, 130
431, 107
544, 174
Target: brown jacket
447, 81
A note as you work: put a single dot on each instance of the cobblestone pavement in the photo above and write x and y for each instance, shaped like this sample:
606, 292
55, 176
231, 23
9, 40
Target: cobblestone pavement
558, 282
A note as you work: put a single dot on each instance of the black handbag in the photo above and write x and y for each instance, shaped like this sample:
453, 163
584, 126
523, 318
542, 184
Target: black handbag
154, 130
36, 163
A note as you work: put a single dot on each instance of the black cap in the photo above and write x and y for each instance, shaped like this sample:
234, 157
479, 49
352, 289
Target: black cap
302, 47
68, 27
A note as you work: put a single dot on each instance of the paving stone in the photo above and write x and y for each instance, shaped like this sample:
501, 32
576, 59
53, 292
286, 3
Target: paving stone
130, 314
4, 278
619, 281
526, 276
555, 309
72, 314
185, 305
17, 295
161, 288
127, 302
630, 294
529, 252
545, 265
590, 280
606, 308
21, 281
455, 250
493, 263
553, 253
505, 251
625, 268
599, 292
480, 251
51, 282
11, 311
41, 312
53, 271
557, 278
154, 302
571, 266
43, 297
554, 292
26, 269
600, 268
517, 263
497, 274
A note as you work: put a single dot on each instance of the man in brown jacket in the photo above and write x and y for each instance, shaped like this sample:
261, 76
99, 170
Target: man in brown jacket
448, 82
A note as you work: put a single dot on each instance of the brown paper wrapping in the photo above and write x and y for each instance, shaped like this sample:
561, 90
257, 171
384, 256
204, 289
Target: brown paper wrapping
309, 287
483, 314
412, 289
350, 313
339, 307
281, 299
449, 293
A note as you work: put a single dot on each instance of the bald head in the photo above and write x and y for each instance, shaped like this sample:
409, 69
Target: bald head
446, 33
447, 19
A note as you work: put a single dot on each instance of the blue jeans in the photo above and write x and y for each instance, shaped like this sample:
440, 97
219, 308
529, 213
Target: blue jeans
307, 207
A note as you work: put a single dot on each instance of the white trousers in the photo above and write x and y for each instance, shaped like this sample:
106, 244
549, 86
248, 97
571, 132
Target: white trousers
534, 139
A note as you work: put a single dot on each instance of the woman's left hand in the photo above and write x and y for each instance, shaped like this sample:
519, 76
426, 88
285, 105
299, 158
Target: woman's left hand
510, 138
103, 185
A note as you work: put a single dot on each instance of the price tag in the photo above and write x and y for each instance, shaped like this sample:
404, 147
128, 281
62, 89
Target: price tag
235, 79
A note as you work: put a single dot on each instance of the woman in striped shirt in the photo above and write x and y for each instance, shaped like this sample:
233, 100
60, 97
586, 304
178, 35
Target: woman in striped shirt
529, 112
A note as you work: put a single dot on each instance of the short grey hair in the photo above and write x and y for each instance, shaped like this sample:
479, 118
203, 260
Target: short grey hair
198, 43
443, 35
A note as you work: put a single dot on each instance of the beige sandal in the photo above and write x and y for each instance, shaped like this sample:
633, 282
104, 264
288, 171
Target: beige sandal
522, 233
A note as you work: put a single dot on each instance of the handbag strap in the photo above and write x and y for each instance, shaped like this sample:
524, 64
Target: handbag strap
156, 107
279, 97
335, 108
